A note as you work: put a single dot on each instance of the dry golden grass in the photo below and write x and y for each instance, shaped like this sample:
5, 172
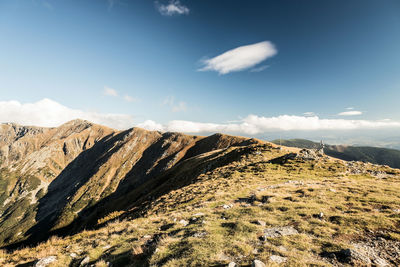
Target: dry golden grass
295, 194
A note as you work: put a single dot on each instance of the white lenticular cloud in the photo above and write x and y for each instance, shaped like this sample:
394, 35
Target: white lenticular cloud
240, 58
350, 113
48, 113
174, 7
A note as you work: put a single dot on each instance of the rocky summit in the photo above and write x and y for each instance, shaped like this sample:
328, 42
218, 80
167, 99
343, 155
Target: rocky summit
87, 195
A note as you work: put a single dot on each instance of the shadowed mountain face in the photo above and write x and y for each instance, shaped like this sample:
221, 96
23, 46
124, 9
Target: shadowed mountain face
375, 155
58, 180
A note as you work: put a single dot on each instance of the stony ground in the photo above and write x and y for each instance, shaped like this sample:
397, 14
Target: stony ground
270, 207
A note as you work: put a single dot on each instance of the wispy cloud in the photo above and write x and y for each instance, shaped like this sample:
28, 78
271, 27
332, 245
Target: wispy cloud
240, 58
350, 113
114, 3
259, 69
49, 113
110, 91
253, 124
174, 7
47, 5
111, 4
173, 105
129, 98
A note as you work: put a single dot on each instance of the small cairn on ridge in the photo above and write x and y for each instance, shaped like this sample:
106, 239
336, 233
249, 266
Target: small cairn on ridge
312, 154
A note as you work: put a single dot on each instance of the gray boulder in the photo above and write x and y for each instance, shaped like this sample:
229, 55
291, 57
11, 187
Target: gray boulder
85, 261
277, 259
43, 262
279, 231
257, 263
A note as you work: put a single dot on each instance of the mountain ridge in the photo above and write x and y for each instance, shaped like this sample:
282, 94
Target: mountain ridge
375, 155
67, 169
147, 198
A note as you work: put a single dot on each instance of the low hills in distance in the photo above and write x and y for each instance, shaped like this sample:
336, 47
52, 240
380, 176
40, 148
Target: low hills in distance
375, 155
87, 195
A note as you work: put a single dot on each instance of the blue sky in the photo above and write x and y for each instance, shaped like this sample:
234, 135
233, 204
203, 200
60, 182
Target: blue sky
143, 59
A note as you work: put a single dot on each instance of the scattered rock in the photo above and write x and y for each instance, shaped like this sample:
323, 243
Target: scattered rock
257, 263
85, 261
73, 255
353, 256
226, 206
332, 190
279, 231
45, 261
372, 253
232, 264
146, 236
380, 262
277, 259
309, 154
282, 248
223, 257
200, 234
184, 222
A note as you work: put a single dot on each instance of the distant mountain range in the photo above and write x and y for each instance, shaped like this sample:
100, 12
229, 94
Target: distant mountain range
375, 155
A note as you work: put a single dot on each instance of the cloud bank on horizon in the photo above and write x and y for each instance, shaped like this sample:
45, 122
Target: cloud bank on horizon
49, 113
240, 58
350, 113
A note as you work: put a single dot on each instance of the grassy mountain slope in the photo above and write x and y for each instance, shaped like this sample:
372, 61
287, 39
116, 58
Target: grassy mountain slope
59, 180
375, 155
31, 159
143, 198
225, 205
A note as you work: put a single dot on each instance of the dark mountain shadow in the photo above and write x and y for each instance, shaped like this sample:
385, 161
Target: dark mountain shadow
148, 179
66, 184
140, 186
141, 175
217, 141
138, 200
